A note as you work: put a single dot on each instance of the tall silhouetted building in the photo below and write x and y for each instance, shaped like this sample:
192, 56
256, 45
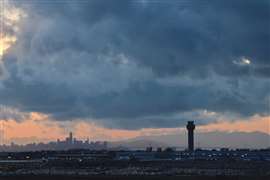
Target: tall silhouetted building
70, 138
190, 128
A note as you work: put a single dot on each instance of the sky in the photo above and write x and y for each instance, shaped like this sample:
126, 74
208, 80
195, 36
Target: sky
113, 70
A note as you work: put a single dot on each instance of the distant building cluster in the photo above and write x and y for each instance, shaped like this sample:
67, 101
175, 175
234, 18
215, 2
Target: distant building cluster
69, 143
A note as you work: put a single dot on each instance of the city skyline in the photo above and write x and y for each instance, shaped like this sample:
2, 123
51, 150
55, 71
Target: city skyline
83, 130
68, 143
179, 141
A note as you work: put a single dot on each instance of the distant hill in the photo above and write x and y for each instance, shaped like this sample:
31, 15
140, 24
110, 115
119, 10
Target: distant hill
202, 139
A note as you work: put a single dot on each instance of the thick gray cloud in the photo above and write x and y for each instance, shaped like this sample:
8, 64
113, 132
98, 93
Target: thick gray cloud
135, 64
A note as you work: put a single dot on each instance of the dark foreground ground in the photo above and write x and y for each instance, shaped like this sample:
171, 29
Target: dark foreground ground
140, 165
135, 178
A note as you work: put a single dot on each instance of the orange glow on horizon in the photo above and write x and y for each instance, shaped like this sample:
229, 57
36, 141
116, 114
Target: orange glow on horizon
256, 123
39, 127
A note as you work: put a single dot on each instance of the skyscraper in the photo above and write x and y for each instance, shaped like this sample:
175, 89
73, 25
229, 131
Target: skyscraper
70, 138
190, 128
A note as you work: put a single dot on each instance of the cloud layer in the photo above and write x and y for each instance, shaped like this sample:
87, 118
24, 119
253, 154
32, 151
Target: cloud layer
137, 64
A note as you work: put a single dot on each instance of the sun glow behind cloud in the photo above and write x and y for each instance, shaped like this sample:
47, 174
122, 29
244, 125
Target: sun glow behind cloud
5, 43
243, 61
10, 17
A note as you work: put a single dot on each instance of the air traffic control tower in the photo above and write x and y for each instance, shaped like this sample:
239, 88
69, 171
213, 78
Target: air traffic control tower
190, 128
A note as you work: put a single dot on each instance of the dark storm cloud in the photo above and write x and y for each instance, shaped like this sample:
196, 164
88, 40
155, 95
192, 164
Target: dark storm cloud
134, 64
